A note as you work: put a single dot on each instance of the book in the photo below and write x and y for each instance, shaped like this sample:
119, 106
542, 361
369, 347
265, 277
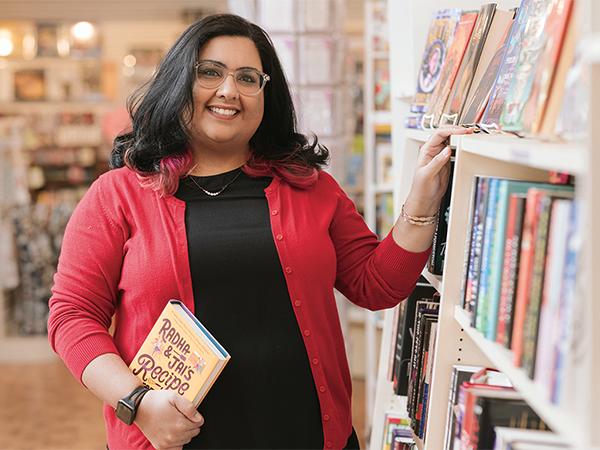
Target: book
179, 354
441, 32
473, 281
531, 320
405, 335
566, 309
427, 339
521, 83
393, 421
547, 61
493, 110
506, 188
438, 251
510, 268
475, 107
523, 293
462, 84
460, 374
508, 438
558, 90
427, 379
491, 411
469, 236
454, 57
549, 320
486, 69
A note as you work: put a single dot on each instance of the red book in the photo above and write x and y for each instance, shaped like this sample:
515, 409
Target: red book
525, 269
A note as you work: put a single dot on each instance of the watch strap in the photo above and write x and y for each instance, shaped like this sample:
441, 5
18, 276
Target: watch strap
131, 402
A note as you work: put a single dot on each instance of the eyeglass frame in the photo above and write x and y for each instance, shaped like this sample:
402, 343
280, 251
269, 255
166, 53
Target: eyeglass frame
263, 75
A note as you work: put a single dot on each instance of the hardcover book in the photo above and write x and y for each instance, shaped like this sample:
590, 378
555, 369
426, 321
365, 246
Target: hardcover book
522, 80
495, 105
441, 32
180, 355
469, 64
543, 77
454, 58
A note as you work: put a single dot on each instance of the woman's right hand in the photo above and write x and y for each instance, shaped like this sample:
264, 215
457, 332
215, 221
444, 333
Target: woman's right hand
168, 420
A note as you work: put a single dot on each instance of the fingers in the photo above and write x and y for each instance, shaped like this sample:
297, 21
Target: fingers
187, 409
443, 133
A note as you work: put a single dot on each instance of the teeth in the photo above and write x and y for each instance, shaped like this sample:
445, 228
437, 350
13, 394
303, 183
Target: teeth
224, 112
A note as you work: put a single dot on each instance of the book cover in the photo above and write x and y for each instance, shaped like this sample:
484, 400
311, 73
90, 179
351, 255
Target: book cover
427, 378
531, 322
521, 83
490, 230
426, 340
441, 32
510, 268
549, 310
493, 110
558, 90
491, 412
547, 62
475, 107
438, 251
393, 421
481, 84
402, 370
454, 58
469, 236
567, 300
179, 354
506, 188
460, 374
476, 244
423, 307
469, 64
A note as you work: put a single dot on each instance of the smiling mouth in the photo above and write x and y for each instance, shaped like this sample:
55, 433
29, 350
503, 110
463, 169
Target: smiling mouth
224, 112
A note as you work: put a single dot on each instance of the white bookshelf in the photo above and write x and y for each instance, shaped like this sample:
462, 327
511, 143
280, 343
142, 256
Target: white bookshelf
501, 156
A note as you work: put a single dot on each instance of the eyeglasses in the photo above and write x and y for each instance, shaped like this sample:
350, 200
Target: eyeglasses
248, 81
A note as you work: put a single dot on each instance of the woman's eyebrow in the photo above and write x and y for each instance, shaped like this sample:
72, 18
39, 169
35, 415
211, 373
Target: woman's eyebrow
221, 64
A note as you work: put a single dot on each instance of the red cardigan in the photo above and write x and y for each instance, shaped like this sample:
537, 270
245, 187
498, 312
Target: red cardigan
125, 254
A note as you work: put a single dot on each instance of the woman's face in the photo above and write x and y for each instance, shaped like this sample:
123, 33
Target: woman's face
225, 120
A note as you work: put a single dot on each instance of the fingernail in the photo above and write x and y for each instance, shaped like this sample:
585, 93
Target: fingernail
447, 151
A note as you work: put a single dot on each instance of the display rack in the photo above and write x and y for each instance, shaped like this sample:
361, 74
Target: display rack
499, 156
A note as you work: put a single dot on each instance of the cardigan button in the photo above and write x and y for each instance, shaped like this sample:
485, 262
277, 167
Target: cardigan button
329, 445
274, 212
315, 361
298, 303
279, 237
306, 332
322, 389
326, 417
288, 269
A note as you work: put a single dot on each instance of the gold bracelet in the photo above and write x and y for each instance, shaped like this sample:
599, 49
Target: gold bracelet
419, 221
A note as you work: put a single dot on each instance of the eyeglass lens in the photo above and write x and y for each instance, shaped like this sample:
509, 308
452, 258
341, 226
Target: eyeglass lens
247, 81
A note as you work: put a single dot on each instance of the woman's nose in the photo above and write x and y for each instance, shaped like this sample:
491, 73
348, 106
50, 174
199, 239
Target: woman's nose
228, 89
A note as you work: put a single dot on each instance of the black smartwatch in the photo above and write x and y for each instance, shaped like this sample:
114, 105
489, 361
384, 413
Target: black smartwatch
127, 407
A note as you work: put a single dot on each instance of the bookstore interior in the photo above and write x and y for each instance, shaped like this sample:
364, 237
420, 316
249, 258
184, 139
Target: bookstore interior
495, 347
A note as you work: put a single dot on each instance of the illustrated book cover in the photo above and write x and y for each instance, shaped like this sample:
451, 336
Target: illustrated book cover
180, 355
441, 33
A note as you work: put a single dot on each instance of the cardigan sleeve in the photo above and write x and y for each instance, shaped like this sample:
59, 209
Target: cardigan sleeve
371, 273
86, 282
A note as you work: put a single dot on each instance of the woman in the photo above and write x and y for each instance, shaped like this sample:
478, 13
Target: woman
216, 200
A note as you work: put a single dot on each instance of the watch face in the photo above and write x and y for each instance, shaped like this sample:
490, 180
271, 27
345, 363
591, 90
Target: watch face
124, 412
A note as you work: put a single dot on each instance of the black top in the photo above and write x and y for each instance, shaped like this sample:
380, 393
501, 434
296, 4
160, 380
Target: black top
265, 397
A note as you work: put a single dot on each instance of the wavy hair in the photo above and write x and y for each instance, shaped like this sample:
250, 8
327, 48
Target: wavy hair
156, 144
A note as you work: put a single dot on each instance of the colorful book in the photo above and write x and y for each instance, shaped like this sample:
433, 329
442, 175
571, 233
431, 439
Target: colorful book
475, 107
427, 378
180, 355
468, 66
469, 236
510, 268
521, 83
454, 58
441, 32
460, 374
438, 252
547, 61
493, 110
531, 322
549, 311
481, 84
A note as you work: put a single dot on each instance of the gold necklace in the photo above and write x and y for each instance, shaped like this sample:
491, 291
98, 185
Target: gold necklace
214, 194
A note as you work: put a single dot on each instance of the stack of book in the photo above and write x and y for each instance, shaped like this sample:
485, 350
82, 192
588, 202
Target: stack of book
497, 70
